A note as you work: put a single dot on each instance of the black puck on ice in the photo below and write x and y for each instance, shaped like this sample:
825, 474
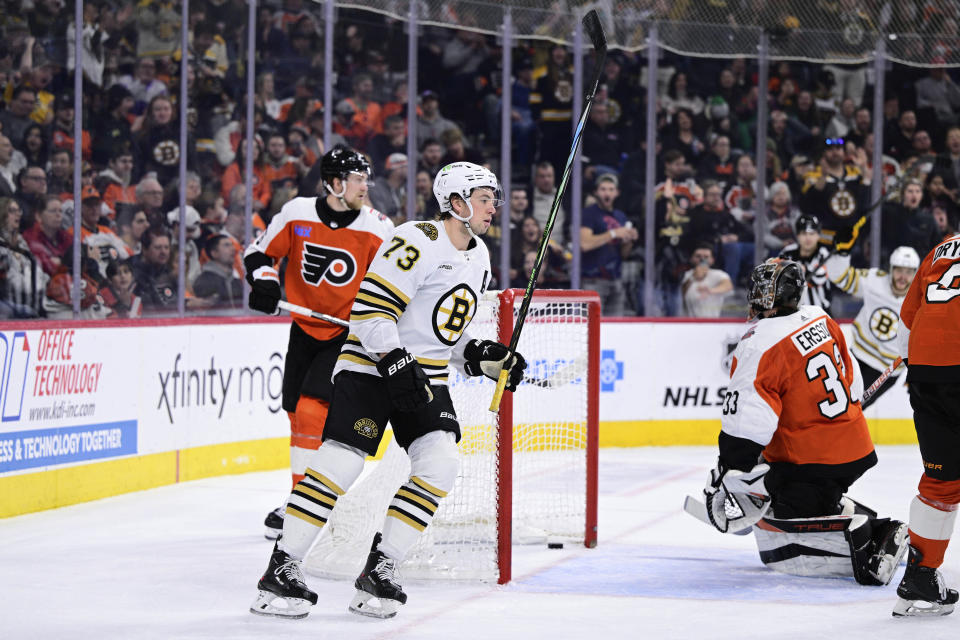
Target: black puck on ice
554, 545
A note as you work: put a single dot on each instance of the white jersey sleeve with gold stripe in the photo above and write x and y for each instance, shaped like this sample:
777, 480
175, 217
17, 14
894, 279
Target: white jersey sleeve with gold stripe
420, 293
876, 326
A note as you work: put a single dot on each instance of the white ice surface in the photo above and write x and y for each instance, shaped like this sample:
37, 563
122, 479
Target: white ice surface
183, 561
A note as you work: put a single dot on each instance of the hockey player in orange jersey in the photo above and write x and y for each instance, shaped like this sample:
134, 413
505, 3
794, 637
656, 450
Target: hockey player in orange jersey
794, 439
929, 341
328, 243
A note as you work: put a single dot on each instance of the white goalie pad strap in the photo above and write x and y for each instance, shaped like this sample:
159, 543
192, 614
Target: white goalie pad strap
266, 273
929, 522
808, 546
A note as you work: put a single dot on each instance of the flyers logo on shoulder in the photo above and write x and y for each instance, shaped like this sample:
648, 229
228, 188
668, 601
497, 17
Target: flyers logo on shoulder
319, 263
453, 312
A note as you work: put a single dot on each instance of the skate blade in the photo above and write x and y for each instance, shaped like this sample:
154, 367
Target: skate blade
266, 605
272, 534
920, 609
366, 604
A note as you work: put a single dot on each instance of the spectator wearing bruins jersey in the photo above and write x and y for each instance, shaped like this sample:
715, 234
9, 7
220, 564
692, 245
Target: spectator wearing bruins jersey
812, 257
407, 324
929, 341
875, 327
793, 440
328, 243
835, 191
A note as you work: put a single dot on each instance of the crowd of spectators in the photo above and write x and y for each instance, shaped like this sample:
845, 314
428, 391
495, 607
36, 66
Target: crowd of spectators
818, 155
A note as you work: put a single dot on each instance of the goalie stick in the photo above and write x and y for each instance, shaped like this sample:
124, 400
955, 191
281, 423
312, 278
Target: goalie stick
591, 25
872, 389
310, 313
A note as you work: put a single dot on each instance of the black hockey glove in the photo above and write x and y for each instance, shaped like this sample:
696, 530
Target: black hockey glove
844, 238
265, 291
407, 384
488, 358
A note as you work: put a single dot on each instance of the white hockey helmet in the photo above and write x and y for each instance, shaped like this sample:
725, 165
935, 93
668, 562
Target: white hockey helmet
904, 257
462, 178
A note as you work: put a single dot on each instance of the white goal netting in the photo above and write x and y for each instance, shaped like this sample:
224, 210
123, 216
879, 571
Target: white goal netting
547, 463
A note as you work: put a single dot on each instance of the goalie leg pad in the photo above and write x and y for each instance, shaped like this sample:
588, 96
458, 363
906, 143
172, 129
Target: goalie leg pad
434, 462
858, 546
814, 547
334, 467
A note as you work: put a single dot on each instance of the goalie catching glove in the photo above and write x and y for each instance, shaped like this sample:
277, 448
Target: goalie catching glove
264, 290
488, 358
407, 384
736, 500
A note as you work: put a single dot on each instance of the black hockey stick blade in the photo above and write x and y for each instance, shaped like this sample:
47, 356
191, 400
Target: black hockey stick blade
591, 25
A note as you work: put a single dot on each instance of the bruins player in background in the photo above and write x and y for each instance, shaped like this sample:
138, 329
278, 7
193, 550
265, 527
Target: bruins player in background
875, 327
793, 439
408, 324
328, 243
929, 340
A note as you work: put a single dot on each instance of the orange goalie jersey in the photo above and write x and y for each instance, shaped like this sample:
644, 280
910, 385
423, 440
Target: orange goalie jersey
326, 263
795, 390
930, 315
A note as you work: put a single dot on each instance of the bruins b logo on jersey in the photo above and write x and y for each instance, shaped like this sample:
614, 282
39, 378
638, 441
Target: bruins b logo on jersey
453, 312
320, 263
883, 324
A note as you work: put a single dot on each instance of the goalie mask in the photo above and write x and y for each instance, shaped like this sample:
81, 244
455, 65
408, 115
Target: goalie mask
340, 162
461, 178
776, 283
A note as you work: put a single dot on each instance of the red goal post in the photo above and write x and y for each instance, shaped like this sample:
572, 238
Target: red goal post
528, 474
509, 300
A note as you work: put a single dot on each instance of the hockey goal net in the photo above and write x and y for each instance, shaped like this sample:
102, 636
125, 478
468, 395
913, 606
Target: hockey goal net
528, 475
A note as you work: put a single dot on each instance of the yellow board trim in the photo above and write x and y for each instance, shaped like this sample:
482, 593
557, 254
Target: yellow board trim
60, 487
393, 513
662, 433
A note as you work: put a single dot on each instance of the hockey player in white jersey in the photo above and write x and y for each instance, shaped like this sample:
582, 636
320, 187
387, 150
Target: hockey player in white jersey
875, 327
407, 325
793, 439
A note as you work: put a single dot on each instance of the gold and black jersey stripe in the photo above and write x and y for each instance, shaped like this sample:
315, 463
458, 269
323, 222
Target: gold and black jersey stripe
353, 351
378, 298
849, 281
436, 370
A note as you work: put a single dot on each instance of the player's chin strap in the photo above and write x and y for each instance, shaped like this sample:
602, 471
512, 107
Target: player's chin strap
465, 221
338, 196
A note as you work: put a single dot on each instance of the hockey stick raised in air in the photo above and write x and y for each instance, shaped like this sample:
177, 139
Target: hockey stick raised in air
591, 25
310, 313
872, 389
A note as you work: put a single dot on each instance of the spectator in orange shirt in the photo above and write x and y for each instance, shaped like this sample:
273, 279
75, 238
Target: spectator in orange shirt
345, 125
115, 181
278, 167
367, 110
233, 177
